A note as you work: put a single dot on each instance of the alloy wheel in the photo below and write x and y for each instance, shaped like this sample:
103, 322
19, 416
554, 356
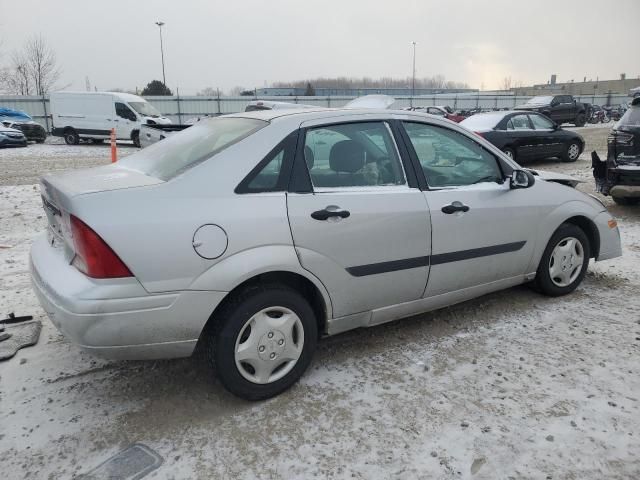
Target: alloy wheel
573, 151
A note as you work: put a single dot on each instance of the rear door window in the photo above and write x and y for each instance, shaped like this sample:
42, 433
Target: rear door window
519, 122
352, 155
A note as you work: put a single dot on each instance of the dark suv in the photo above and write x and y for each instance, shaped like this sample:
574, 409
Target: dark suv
622, 176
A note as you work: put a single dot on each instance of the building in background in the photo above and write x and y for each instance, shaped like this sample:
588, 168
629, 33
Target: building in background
591, 87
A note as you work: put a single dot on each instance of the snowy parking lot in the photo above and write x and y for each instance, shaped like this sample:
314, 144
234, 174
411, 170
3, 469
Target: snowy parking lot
510, 385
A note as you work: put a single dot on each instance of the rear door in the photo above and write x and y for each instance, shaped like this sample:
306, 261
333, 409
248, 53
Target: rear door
522, 136
358, 226
481, 229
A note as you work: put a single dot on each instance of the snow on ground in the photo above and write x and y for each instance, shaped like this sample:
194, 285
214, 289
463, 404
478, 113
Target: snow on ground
510, 385
20, 166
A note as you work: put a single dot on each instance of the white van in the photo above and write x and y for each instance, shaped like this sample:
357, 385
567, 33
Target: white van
92, 115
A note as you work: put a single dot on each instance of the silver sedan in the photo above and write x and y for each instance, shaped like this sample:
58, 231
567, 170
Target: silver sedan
252, 235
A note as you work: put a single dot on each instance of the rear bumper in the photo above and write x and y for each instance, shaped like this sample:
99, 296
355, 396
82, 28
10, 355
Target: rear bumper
610, 245
117, 318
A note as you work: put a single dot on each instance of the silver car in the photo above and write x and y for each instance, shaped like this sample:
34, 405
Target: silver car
252, 235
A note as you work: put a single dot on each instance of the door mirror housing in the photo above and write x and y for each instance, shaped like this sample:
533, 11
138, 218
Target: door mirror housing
521, 179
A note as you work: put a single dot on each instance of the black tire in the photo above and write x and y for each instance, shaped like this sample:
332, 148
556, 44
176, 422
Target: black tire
135, 136
220, 339
71, 137
510, 152
543, 281
40, 140
97, 141
581, 119
626, 200
570, 150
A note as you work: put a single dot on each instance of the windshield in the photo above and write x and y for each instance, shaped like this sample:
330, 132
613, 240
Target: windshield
145, 109
542, 100
631, 118
182, 151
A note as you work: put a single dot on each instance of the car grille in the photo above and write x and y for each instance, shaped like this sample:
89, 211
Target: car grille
31, 130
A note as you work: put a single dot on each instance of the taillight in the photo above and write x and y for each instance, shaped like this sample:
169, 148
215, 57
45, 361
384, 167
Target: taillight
94, 257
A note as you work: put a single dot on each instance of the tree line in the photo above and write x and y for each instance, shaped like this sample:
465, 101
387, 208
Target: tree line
31, 70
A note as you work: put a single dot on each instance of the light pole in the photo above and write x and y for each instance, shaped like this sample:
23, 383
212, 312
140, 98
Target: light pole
164, 80
413, 78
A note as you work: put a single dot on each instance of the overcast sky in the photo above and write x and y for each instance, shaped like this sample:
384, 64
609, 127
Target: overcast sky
249, 43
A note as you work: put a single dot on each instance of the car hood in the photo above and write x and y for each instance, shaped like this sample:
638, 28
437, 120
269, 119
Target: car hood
556, 177
531, 106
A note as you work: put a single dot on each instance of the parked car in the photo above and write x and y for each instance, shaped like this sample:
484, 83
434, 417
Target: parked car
559, 108
622, 173
634, 92
11, 137
442, 111
150, 134
254, 234
92, 115
526, 135
19, 120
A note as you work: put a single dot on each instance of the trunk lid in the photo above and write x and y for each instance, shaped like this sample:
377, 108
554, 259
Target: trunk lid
58, 192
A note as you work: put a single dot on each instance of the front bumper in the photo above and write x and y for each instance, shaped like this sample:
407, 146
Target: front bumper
117, 318
610, 245
13, 142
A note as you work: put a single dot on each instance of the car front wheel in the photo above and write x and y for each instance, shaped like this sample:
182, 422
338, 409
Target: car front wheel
263, 341
564, 261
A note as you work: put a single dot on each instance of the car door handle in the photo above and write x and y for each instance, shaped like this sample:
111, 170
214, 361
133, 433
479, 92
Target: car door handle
454, 207
326, 213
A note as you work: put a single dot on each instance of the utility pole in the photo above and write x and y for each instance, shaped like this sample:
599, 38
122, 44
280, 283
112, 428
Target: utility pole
164, 80
413, 78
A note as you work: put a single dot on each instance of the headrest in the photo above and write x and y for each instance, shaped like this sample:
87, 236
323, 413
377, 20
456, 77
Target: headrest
308, 157
346, 156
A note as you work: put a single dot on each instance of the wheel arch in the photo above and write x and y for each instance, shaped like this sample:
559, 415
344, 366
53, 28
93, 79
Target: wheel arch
574, 212
293, 280
591, 231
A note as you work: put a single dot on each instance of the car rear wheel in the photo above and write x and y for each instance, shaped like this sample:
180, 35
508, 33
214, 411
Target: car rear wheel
71, 137
263, 341
135, 136
572, 152
564, 261
510, 152
626, 200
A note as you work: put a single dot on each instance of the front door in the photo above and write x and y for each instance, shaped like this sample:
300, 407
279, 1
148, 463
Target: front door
361, 230
482, 230
125, 121
545, 131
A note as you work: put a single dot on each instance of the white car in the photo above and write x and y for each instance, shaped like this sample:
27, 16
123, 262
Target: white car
254, 234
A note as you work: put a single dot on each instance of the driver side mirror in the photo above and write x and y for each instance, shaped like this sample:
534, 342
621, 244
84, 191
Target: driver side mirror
521, 179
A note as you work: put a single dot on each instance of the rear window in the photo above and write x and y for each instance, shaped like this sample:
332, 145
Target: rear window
183, 150
480, 122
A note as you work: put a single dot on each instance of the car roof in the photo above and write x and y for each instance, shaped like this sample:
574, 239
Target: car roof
304, 114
